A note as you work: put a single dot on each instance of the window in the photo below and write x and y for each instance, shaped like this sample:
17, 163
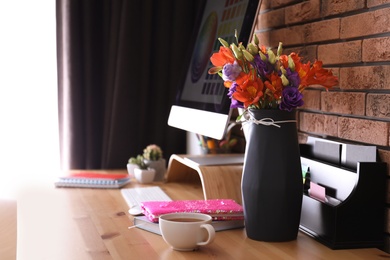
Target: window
29, 149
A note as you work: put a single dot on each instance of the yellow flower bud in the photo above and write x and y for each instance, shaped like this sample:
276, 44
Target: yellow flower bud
249, 57
255, 39
253, 49
285, 81
283, 70
214, 70
262, 56
271, 56
237, 52
223, 42
291, 63
280, 49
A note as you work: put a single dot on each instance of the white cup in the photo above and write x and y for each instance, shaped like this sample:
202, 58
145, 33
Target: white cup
186, 231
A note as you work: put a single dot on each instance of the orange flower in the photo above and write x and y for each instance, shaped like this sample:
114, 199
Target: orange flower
297, 61
274, 85
316, 75
284, 61
263, 49
249, 89
225, 55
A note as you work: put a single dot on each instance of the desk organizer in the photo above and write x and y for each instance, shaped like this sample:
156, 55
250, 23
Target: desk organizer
354, 216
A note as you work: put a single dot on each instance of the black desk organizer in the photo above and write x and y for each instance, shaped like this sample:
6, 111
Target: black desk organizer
358, 220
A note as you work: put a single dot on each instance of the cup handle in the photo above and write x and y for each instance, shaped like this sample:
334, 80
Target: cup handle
211, 234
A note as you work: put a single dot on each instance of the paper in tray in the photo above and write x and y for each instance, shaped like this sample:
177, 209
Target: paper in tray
219, 209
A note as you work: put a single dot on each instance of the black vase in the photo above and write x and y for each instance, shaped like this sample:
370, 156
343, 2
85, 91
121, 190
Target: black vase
272, 184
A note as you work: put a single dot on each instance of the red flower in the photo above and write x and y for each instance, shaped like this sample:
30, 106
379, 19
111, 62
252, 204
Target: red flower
274, 85
219, 59
316, 75
284, 61
249, 89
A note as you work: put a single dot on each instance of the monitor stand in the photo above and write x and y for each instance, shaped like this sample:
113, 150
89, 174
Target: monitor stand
216, 159
220, 175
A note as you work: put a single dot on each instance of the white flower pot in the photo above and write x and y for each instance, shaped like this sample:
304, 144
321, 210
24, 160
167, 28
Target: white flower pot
159, 166
130, 168
144, 175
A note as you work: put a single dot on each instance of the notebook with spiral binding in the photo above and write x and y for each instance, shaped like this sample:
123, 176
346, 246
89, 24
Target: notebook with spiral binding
92, 180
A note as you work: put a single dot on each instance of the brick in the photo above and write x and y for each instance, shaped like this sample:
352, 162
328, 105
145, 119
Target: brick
366, 77
308, 33
365, 24
352, 103
308, 52
289, 36
311, 99
376, 49
333, 7
336, 73
264, 38
319, 124
271, 19
378, 105
322, 31
311, 123
302, 138
345, 52
281, 3
265, 5
330, 125
372, 3
305, 11
363, 130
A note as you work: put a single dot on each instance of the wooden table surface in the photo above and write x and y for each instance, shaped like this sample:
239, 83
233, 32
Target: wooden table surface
75, 223
8, 229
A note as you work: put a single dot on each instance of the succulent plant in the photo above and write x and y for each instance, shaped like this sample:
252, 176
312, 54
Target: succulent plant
152, 152
139, 160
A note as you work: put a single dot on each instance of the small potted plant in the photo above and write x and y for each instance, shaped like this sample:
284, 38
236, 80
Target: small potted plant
142, 172
153, 157
133, 163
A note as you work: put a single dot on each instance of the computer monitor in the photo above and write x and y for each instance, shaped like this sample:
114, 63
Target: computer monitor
202, 105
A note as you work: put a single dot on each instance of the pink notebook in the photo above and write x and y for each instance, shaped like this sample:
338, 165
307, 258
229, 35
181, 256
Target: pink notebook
219, 209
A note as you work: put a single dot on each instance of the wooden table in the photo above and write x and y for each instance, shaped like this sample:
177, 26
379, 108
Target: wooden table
8, 229
73, 223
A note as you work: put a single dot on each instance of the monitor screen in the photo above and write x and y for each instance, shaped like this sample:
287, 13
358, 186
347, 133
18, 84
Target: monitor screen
202, 105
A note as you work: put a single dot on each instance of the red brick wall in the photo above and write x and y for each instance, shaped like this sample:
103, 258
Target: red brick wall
353, 39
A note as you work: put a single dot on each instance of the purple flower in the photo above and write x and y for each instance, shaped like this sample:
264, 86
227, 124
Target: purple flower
234, 103
291, 98
293, 78
264, 68
231, 71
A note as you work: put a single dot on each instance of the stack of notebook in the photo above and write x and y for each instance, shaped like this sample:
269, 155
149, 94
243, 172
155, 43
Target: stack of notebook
91, 179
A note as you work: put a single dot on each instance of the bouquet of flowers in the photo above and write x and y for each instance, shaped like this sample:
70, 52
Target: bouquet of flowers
258, 78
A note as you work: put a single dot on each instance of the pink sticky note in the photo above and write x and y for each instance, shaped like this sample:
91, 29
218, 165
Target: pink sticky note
317, 191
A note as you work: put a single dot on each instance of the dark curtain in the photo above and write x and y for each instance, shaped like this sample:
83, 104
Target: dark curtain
119, 65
